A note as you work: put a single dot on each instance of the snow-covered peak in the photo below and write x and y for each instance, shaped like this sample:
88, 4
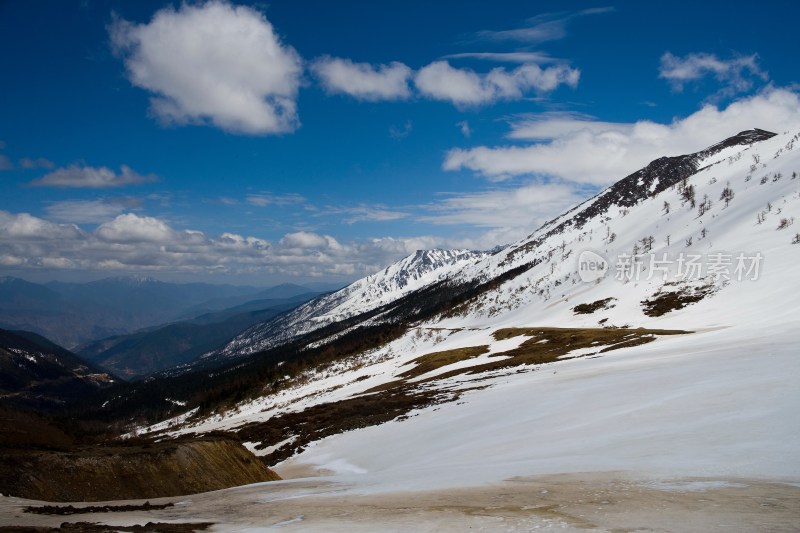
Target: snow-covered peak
415, 271
416, 267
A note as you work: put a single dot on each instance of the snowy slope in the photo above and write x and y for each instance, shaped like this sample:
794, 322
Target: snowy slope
717, 402
419, 269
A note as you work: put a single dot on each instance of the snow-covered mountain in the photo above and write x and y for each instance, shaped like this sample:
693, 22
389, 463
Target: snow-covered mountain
555, 242
650, 330
418, 270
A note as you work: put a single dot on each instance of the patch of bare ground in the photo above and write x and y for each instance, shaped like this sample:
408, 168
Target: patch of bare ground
91, 527
144, 470
589, 308
671, 298
579, 502
547, 345
323, 420
433, 361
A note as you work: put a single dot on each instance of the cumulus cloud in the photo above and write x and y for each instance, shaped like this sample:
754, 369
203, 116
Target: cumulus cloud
735, 74
213, 63
145, 244
465, 87
84, 177
306, 239
25, 227
362, 80
130, 228
583, 150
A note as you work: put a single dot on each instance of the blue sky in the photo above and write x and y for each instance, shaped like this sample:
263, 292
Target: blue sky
297, 140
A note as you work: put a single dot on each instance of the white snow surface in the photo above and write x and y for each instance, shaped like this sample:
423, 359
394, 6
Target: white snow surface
418, 270
721, 401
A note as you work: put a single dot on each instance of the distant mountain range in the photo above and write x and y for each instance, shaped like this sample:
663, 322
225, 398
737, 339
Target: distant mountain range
147, 351
73, 314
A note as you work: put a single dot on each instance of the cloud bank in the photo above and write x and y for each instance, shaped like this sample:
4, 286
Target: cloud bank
582, 150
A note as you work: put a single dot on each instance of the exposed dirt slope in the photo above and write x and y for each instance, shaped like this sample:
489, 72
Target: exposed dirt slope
131, 472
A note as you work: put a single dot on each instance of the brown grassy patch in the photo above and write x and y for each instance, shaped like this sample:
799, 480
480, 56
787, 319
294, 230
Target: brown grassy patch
432, 361
664, 302
546, 345
589, 308
323, 420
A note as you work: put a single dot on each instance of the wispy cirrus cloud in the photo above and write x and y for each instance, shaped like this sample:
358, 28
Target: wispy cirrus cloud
541, 28
507, 57
264, 199
399, 132
522, 207
363, 213
86, 177
90, 211
39, 162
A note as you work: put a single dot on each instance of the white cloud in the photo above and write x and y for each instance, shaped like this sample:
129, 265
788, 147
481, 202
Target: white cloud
362, 80
5, 163
238, 242
25, 227
305, 239
587, 151
466, 131
133, 243
76, 176
735, 74
216, 63
464, 87
130, 228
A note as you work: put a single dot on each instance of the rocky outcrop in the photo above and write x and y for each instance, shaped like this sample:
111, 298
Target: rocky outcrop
149, 470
